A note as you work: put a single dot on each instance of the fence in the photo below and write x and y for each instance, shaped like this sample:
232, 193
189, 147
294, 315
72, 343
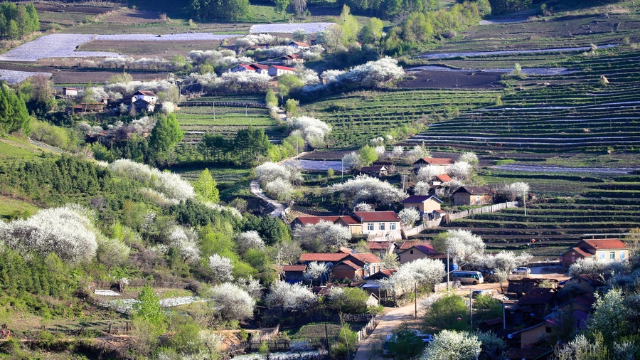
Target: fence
418, 229
482, 210
367, 329
223, 104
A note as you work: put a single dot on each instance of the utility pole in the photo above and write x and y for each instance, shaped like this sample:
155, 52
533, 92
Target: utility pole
403, 179
470, 309
342, 170
326, 336
415, 299
448, 269
213, 103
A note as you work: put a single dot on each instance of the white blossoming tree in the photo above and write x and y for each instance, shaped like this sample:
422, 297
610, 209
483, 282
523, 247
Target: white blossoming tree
312, 130
186, 241
170, 184
460, 170
251, 286
427, 173
315, 270
364, 188
449, 344
321, 236
409, 216
469, 157
418, 152
221, 267
352, 160
397, 152
235, 302
461, 245
66, 231
249, 240
290, 297
422, 188
422, 272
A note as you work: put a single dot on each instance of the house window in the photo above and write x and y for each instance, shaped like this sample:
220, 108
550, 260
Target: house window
621, 255
381, 226
370, 226
612, 255
602, 256
392, 226
411, 252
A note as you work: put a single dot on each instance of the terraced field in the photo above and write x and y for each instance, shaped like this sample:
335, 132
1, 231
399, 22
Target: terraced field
360, 116
606, 207
195, 121
578, 114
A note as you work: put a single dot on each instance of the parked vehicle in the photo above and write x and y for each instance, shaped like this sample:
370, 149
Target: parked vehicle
468, 277
521, 271
477, 293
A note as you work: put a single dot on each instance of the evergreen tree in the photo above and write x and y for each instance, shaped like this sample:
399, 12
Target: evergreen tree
166, 134
13, 112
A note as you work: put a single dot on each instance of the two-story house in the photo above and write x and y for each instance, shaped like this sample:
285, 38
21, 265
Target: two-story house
441, 164
379, 223
147, 96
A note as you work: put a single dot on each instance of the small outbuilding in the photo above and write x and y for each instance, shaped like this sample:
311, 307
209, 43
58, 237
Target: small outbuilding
425, 204
375, 171
473, 195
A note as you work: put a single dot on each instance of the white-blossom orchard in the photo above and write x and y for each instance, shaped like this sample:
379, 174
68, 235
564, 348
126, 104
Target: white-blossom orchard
364, 188
234, 302
66, 231
170, 184
221, 267
290, 297
312, 130
319, 237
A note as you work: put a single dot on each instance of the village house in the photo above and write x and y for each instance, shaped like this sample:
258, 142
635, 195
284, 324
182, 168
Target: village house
299, 45
260, 68
294, 273
597, 249
440, 179
147, 96
473, 195
441, 164
142, 105
84, 108
69, 92
345, 265
379, 224
375, 171
355, 227
243, 68
425, 204
381, 248
413, 250
372, 284
277, 70
292, 60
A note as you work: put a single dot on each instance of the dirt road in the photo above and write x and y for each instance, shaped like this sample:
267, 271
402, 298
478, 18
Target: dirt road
371, 348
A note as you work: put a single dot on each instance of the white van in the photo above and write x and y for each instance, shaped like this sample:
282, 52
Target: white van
468, 277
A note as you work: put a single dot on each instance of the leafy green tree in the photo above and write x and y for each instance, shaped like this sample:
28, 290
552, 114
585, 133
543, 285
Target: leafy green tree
486, 307
14, 116
349, 25
291, 107
206, 188
368, 155
148, 307
444, 313
371, 33
288, 83
166, 134
405, 344
220, 9
270, 99
281, 5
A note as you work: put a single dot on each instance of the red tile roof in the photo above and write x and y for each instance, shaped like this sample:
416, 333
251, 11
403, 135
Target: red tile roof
316, 219
378, 245
411, 243
349, 220
443, 177
586, 300
345, 250
300, 43
382, 274
248, 67
605, 244
350, 264
581, 252
366, 258
414, 199
294, 268
283, 68
260, 66
381, 216
438, 161
144, 92
322, 257
474, 190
